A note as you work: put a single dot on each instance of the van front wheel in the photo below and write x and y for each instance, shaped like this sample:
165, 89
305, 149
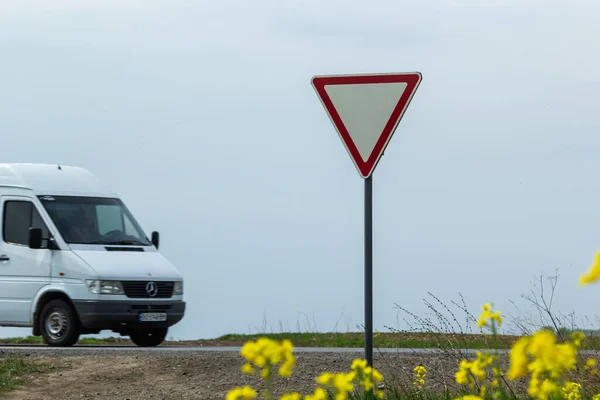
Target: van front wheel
150, 337
58, 324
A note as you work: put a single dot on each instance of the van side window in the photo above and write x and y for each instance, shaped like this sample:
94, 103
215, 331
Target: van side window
19, 216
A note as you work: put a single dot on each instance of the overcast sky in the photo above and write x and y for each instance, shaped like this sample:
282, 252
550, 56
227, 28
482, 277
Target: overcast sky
200, 114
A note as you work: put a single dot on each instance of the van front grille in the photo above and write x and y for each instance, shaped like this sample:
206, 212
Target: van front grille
138, 289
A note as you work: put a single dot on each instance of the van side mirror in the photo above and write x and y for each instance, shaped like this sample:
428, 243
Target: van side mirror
155, 239
35, 238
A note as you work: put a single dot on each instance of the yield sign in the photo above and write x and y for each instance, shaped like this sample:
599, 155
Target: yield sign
365, 110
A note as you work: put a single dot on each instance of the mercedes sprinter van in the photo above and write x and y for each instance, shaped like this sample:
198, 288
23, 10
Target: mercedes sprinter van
74, 260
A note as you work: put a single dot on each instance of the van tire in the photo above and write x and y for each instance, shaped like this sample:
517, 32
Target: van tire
150, 337
59, 326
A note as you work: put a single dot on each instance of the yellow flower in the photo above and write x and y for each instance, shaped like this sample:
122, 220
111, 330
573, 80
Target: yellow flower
325, 378
265, 373
593, 273
265, 353
464, 375
570, 391
366, 375
496, 317
546, 361
482, 391
590, 363
487, 314
319, 394
419, 375
245, 393
340, 383
291, 396
420, 370
518, 359
376, 375
286, 369
247, 369
548, 357
359, 364
577, 337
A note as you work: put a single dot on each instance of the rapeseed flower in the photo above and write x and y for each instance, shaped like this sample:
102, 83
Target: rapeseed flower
291, 396
545, 360
366, 375
469, 397
549, 357
488, 316
340, 383
590, 365
577, 337
319, 394
570, 391
468, 369
266, 353
248, 369
593, 273
541, 390
463, 376
518, 359
245, 393
419, 375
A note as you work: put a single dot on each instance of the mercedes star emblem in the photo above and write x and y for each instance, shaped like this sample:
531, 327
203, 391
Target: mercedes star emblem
151, 289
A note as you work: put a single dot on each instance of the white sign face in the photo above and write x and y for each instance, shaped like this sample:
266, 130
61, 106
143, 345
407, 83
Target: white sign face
365, 110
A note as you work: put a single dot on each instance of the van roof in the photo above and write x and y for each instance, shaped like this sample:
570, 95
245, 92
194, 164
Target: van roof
52, 179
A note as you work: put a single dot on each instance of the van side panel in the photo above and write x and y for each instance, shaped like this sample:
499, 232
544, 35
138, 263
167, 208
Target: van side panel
23, 271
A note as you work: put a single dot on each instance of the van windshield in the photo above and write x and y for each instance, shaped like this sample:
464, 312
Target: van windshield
94, 220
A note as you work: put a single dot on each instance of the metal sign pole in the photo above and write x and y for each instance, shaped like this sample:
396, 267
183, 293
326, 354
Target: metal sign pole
369, 270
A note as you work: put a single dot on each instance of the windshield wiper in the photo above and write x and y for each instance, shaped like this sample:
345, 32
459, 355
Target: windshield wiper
121, 242
132, 242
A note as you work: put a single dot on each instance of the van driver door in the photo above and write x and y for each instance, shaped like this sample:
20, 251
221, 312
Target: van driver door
23, 271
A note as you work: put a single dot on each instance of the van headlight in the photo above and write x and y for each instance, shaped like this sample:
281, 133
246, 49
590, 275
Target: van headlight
178, 288
105, 287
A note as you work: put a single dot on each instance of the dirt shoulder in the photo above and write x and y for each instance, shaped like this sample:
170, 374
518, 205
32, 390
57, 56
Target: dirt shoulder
201, 375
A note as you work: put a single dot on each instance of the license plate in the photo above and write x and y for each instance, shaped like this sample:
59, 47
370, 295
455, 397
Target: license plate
153, 317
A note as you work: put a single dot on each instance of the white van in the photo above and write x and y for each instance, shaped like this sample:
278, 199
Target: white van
73, 260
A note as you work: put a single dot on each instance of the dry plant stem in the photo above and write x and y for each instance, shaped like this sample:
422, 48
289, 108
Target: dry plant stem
543, 305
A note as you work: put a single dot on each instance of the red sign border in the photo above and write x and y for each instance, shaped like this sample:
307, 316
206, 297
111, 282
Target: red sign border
412, 79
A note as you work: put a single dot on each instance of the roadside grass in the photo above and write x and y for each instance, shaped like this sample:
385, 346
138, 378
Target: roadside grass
412, 340
405, 340
12, 369
38, 340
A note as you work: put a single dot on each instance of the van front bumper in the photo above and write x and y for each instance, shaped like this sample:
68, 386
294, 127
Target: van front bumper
122, 316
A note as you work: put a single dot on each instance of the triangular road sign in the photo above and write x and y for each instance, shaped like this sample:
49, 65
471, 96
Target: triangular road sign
365, 110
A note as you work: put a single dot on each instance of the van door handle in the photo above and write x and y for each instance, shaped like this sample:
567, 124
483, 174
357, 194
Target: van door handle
4, 258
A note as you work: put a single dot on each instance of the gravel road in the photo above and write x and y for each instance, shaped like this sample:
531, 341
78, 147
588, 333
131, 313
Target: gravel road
205, 375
